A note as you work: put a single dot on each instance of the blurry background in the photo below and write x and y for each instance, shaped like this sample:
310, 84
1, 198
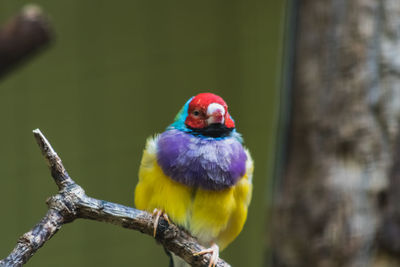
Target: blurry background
118, 72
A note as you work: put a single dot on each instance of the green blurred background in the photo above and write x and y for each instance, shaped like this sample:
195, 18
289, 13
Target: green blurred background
118, 72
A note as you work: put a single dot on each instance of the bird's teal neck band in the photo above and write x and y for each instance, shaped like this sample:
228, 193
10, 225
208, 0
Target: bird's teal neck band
180, 118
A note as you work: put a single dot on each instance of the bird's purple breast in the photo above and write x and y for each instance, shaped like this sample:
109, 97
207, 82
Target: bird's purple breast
212, 164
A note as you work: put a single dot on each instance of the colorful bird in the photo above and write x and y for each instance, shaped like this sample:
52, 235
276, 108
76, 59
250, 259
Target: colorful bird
198, 174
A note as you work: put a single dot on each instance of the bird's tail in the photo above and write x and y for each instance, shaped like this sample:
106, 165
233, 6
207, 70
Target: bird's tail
178, 262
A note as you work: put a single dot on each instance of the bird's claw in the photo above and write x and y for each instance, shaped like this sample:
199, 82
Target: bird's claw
214, 250
158, 213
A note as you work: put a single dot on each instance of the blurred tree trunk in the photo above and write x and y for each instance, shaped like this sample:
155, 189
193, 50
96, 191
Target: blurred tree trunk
338, 201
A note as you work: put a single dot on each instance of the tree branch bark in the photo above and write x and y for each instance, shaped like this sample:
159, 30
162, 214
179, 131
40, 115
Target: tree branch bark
71, 203
337, 201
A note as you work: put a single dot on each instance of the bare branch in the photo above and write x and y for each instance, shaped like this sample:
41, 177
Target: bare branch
54, 162
71, 203
22, 36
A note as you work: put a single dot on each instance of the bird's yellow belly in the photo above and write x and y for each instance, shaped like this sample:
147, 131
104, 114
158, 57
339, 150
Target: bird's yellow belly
211, 216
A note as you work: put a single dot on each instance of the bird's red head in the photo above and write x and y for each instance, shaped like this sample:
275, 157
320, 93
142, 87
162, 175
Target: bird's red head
206, 109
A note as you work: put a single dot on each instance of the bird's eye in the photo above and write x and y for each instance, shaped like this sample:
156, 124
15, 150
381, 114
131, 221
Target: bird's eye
196, 113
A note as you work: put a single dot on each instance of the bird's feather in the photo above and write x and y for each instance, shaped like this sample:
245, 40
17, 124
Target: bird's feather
209, 215
199, 174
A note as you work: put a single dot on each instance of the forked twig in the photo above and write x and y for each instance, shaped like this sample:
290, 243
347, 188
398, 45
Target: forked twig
72, 203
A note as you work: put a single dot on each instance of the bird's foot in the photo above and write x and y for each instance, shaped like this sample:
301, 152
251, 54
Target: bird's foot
158, 213
214, 250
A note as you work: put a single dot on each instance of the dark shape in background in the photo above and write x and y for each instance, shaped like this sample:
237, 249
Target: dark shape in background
22, 36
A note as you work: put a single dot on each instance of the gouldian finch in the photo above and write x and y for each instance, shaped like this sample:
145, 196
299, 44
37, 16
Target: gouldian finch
198, 174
